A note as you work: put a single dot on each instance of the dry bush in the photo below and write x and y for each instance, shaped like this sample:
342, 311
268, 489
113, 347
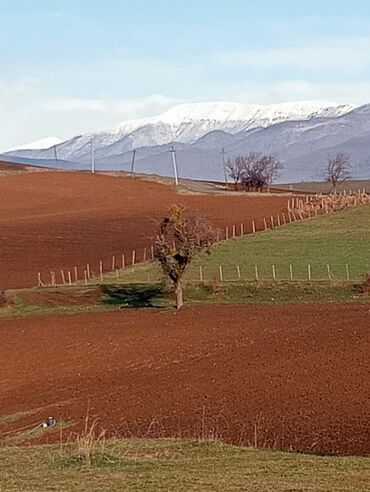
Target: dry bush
216, 287
365, 285
6, 299
90, 442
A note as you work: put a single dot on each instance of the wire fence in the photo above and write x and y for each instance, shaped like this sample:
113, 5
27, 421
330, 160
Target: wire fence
224, 273
137, 266
263, 272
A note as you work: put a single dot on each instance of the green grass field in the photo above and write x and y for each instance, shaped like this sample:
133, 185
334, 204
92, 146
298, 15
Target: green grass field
340, 240
265, 292
299, 250
177, 465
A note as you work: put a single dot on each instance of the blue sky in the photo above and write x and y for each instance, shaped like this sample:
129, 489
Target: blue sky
75, 66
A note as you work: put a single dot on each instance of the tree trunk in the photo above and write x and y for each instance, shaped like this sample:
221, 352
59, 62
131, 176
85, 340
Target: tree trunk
179, 296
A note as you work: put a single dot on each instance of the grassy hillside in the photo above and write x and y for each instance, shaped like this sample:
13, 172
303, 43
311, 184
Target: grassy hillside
154, 465
336, 240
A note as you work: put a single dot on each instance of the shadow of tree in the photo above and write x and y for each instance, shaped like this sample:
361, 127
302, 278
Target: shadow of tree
132, 295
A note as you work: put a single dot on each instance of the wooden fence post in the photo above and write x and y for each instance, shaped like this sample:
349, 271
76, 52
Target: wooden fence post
242, 229
347, 272
253, 227
265, 223
201, 273
234, 231
309, 272
291, 271
133, 257
76, 274
40, 283
113, 263
329, 273
88, 271
123, 261
221, 274
238, 272
256, 273
69, 277
63, 277
273, 272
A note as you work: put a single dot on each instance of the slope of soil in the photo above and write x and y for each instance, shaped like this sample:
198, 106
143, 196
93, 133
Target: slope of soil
288, 377
52, 221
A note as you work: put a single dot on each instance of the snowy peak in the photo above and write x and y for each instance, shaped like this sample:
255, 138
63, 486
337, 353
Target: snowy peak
189, 121
224, 112
186, 123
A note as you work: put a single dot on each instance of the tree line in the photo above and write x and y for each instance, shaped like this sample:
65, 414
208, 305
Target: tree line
255, 171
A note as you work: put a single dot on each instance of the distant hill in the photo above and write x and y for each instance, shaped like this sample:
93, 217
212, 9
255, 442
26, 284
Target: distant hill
301, 135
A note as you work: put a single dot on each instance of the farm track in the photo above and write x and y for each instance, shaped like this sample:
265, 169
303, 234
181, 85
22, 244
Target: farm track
58, 220
289, 377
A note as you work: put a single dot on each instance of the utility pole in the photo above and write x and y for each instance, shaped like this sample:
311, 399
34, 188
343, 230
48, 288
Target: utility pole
224, 165
55, 155
92, 155
173, 152
133, 162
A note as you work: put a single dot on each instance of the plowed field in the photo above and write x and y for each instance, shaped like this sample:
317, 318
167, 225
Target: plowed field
53, 220
290, 377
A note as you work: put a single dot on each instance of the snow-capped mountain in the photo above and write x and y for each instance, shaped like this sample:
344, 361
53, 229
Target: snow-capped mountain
186, 123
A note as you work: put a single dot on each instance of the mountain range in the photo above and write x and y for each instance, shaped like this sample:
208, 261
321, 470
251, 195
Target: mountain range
300, 134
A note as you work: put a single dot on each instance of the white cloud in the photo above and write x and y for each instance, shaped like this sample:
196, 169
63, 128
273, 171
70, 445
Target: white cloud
26, 117
125, 108
348, 56
294, 90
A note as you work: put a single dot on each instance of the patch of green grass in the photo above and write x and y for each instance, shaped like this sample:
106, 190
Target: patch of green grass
134, 295
272, 292
178, 465
238, 292
336, 240
21, 308
98, 460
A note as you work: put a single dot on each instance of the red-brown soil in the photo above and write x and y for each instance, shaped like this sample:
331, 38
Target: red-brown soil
59, 297
53, 220
290, 377
8, 166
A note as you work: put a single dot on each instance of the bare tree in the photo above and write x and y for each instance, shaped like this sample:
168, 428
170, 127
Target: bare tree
254, 170
182, 235
338, 170
235, 168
